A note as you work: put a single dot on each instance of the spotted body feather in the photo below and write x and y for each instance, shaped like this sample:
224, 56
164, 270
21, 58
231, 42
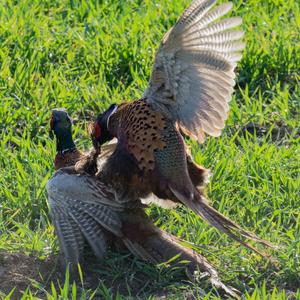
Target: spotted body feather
140, 129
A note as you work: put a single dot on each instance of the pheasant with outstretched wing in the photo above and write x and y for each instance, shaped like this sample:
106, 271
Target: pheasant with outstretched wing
189, 90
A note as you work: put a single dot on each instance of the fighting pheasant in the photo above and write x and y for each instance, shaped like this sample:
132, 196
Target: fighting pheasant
73, 226
191, 84
83, 208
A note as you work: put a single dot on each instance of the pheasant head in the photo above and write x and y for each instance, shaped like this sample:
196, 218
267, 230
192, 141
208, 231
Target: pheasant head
61, 125
101, 131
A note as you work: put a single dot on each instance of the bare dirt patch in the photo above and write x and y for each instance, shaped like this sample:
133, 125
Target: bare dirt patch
17, 270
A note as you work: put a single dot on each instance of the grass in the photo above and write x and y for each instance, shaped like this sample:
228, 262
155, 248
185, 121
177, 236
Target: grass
84, 55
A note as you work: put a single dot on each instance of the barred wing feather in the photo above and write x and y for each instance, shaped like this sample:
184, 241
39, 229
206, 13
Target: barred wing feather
193, 75
70, 237
81, 208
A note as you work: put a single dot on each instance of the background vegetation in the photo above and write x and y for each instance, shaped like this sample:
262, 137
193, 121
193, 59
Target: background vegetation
84, 55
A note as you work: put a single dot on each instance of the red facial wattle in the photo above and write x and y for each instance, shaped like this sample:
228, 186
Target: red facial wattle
97, 131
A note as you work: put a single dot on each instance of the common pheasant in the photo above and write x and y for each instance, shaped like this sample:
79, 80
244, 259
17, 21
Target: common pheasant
73, 226
191, 84
85, 208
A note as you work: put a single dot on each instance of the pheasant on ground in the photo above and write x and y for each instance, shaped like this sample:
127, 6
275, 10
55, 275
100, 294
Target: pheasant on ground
83, 208
188, 94
72, 226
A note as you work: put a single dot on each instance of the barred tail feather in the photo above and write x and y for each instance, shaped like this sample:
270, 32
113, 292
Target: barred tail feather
201, 207
162, 247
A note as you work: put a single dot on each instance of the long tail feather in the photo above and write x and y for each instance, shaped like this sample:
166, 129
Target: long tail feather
161, 247
201, 207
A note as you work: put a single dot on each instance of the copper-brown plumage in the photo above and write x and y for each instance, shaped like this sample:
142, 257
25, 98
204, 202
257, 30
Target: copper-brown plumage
141, 127
189, 90
102, 213
66, 159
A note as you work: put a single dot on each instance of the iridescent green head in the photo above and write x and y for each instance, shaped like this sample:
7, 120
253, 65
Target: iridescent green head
61, 125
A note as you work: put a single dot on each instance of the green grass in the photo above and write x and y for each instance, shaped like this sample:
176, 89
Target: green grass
84, 55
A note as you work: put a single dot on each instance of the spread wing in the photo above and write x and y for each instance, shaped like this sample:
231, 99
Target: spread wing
81, 208
193, 75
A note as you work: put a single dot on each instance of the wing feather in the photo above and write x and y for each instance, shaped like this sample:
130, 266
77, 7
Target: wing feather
193, 13
103, 215
221, 26
193, 75
91, 230
69, 235
81, 209
221, 37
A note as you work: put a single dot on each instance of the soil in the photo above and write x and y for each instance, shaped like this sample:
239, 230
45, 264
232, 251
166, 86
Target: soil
17, 270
